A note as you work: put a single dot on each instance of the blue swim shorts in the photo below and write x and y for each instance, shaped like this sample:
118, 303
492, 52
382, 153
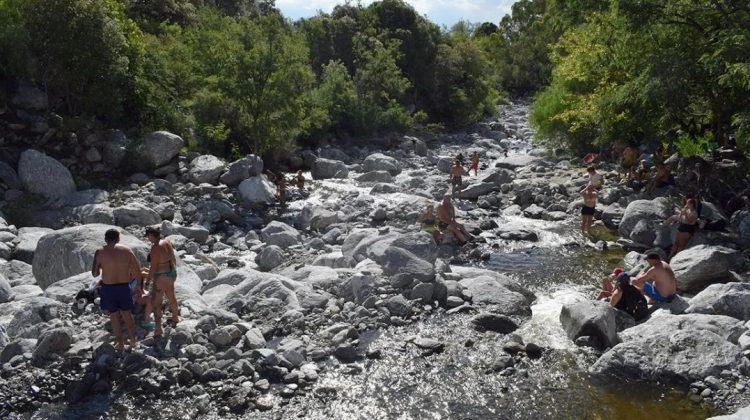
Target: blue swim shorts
650, 290
116, 297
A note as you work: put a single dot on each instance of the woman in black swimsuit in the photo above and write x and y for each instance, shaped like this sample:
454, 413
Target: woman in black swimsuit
688, 219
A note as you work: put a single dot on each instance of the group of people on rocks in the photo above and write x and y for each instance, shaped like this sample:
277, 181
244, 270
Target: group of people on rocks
124, 284
457, 172
298, 180
657, 284
436, 223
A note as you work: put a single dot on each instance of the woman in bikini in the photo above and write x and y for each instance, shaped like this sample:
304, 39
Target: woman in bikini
688, 219
163, 273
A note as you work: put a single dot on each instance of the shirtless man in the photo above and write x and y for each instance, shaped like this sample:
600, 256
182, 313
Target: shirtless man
118, 266
589, 195
447, 220
457, 172
163, 273
658, 283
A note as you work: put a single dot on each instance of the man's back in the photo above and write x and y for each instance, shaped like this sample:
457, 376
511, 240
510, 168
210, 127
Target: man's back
664, 278
116, 263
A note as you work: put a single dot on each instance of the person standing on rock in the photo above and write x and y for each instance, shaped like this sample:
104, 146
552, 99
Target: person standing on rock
658, 283
447, 221
163, 273
596, 179
118, 267
474, 163
589, 195
688, 219
456, 179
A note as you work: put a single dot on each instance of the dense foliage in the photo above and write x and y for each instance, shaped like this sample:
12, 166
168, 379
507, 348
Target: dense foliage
666, 71
234, 76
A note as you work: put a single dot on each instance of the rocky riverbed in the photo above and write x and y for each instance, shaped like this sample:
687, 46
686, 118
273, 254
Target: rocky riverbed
336, 306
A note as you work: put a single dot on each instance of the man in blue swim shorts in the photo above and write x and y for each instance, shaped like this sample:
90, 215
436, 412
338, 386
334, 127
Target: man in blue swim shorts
658, 283
118, 266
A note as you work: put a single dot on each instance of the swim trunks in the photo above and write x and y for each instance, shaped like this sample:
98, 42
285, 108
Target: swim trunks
650, 290
116, 297
685, 228
587, 211
456, 180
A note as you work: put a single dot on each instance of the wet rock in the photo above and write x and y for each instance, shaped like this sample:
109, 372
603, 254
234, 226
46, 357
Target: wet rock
533, 350
701, 265
494, 322
346, 353
270, 257
533, 212
327, 168
43, 175
381, 162
206, 169
135, 214
429, 344
516, 234
67, 252
376, 176
597, 319
257, 191
158, 148
499, 294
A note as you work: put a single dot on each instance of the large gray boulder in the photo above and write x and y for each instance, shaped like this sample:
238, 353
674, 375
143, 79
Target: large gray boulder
674, 348
70, 251
241, 169
474, 191
420, 244
257, 190
328, 168
135, 214
500, 177
376, 176
652, 212
445, 164
159, 148
731, 299
26, 242
499, 294
65, 290
381, 162
590, 318
206, 168
43, 175
702, 265
404, 267
280, 234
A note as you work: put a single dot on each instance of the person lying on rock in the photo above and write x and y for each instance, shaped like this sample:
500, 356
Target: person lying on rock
456, 178
589, 195
688, 218
628, 298
658, 283
163, 274
447, 221
608, 284
428, 223
118, 266
474, 163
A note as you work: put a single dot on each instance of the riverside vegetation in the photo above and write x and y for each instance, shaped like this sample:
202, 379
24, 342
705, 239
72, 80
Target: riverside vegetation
139, 113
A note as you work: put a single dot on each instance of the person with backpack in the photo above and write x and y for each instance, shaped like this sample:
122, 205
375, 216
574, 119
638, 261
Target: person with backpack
628, 298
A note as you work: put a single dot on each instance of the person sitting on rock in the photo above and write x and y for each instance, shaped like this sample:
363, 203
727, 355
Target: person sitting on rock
608, 284
163, 274
447, 221
662, 178
428, 223
589, 195
630, 156
688, 218
299, 180
118, 266
474, 163
658, 283
628, 298
456, 179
